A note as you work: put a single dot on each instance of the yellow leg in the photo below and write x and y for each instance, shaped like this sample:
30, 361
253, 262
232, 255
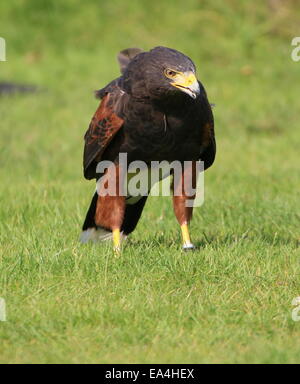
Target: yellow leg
187, 244
117, 240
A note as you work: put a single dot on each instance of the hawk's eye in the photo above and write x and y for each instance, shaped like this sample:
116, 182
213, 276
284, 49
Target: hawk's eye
170, 73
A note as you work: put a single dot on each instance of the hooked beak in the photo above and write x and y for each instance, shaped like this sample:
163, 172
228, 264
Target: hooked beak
188, 83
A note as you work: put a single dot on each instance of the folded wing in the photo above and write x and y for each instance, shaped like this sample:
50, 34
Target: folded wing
104, 126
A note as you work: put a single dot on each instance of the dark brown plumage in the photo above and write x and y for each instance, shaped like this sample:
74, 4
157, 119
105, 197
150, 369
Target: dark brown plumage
156, 110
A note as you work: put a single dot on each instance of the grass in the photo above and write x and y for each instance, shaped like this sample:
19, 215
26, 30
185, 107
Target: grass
228, 302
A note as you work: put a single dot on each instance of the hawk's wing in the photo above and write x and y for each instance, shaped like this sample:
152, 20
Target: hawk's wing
103, 128
125, 57
208, 148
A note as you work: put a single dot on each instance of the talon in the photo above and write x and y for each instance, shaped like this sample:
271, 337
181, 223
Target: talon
188, 247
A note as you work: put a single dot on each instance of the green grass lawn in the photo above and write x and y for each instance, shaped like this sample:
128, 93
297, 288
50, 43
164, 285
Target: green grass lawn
227, 302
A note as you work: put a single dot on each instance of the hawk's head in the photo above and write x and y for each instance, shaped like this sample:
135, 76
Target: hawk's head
161, 73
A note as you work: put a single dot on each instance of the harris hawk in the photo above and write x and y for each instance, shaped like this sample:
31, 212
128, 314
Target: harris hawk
156, 110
